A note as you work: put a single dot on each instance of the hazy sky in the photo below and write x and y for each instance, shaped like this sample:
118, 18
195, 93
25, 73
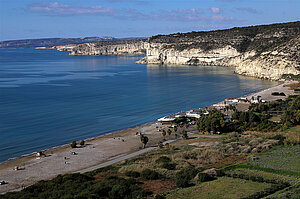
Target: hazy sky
23, 19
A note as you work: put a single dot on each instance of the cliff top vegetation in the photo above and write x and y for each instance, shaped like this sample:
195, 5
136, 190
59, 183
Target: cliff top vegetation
257, 38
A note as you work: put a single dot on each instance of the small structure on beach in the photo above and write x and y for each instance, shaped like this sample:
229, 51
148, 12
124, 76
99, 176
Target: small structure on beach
40, 154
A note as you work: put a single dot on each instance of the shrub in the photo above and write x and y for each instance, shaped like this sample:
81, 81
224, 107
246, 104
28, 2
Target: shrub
118, 191
160, 144
82, 142
169, 166
148, 174
74, 144
184, 176
184, 134
202, 177
133, 174
163, 159
159, 196
292, 138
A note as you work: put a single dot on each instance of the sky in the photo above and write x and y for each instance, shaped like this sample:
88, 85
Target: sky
31, 19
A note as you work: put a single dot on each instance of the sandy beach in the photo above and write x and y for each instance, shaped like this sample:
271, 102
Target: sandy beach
96, 151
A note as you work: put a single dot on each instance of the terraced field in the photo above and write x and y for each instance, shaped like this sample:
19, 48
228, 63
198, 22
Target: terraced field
221, 188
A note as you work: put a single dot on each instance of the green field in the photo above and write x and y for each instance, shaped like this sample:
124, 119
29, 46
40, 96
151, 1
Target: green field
283, 158
222, 188
293, 180
295, 129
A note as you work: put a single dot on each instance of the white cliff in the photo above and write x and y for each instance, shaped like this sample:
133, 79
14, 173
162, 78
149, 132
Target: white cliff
267, 51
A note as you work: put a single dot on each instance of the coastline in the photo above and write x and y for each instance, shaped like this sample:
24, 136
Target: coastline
99, 149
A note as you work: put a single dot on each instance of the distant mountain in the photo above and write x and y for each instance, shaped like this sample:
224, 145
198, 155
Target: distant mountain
49, 42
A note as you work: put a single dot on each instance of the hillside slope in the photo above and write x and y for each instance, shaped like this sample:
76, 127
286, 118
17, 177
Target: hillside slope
49, 42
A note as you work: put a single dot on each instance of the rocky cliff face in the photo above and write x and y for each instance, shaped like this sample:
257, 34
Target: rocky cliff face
110, 48
267, 51
262, 51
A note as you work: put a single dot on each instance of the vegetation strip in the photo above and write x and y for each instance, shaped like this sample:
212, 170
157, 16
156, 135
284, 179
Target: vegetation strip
269, 170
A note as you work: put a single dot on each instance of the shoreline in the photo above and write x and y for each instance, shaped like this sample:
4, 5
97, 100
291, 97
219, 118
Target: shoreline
98, 150
109, 133
66, 145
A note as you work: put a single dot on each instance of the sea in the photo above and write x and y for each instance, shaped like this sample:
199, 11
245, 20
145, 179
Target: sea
49, 98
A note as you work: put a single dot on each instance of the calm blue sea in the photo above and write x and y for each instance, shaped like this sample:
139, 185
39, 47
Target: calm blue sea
48, 98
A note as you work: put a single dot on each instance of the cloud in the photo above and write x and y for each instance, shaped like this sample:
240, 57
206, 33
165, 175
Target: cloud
185, 15
250, 10
55, 8
192, 14
215, 10
139, 2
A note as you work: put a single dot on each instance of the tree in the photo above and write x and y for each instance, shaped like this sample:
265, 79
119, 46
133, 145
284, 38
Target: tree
175, 129
144, 140
82, 142
213, 122
74, 144
184, 176
169, 132
184, 134
164, 132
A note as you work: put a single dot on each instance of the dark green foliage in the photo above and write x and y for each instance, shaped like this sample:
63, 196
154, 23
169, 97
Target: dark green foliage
202, 177
184, 134
80, 186
169, 166
73, 144
103, 169
144, 140
159, 196
82, 142
148, 174
257, 118
278, 94
160, 144
163, 159
133, 174
164, 132
169, 132
181, 120
291, 115
214, 122
291, 77
184, 176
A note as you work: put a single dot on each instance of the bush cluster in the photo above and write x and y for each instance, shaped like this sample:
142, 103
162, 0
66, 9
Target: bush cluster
148, 174
184, 176
166, 163
133, 174
80, 186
